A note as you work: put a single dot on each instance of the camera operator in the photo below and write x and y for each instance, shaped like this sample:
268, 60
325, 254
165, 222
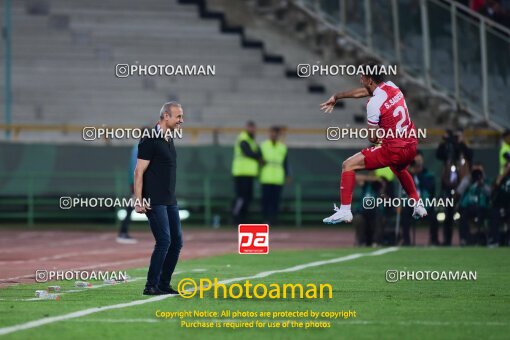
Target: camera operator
500, 202
474, 207
426, 186
457, 158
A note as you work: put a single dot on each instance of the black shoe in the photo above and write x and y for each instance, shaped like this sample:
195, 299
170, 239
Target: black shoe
153, 291
168, 290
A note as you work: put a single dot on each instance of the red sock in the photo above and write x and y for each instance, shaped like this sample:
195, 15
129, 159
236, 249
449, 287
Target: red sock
347, 182
407, 182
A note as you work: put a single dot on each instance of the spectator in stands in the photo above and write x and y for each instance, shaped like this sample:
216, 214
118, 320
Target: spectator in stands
500, 11
497, 10
245, 169
273, 174
426, 186
500, 203
476, 5
505, 147
456, 157
474, 207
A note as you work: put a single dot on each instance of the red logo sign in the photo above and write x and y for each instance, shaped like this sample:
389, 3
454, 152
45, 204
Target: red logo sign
253, 239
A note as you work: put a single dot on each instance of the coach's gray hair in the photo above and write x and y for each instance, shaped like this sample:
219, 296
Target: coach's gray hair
167, 108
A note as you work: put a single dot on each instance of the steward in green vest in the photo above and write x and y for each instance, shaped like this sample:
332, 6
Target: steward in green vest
500, 206
245, 168
273, 174
505, 147
273, 160
246, 156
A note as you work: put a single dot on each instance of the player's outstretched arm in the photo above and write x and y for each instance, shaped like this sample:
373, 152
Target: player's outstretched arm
359, 92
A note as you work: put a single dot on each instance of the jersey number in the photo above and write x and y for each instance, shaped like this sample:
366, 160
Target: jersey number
404, 116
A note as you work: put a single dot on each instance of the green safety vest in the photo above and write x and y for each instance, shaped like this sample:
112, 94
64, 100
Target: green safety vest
504, 149
273, 171
385, 173
242, 165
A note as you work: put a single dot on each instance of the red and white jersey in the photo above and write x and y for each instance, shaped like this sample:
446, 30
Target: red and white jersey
387, 109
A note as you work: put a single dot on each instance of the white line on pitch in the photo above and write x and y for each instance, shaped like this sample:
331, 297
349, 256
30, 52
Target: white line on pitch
94, 266
118, 320
198, 270
73, 315
82, 290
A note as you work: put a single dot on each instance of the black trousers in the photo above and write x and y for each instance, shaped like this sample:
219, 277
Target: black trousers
271, 195
476, 215
448, 225
124, 227
243, 186
370, 229
498, 216
166, 227
407, 220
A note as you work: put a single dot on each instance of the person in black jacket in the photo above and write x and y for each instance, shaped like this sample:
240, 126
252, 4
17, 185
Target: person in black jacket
457, 158
426, 186
154, 190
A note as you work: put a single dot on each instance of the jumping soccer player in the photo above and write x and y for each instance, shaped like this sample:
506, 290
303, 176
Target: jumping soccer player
386, 111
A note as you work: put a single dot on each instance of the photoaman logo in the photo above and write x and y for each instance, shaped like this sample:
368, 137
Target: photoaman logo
188, 288
253, 238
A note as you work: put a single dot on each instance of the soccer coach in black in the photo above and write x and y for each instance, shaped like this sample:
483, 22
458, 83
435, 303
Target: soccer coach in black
155, 175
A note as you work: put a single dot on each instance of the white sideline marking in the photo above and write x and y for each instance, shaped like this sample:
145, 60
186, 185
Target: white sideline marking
83, 289
138, 278
311, 264
94, 266
73, 315
117, 320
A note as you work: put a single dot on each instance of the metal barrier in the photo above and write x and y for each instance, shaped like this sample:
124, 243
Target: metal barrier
434, 135
441, 43
29, 196
34, 197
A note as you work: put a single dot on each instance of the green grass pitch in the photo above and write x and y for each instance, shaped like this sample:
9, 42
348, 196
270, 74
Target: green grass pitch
406, 309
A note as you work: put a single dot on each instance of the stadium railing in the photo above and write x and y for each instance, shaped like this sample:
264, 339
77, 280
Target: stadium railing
441, 44
479, 135
30, 197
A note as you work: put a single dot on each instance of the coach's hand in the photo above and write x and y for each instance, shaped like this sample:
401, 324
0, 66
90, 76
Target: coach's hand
329, 105
142, 209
